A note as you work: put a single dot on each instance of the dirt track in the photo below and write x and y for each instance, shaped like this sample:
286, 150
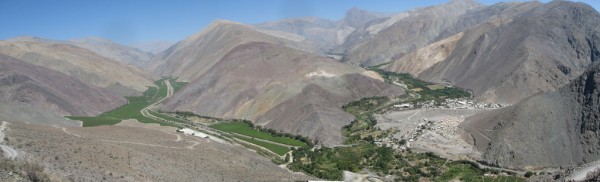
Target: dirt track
134, 151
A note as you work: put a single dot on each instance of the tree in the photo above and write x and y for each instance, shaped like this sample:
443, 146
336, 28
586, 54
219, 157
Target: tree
528, 174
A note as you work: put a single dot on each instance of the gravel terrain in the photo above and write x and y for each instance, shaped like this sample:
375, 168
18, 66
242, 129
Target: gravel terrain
137, 152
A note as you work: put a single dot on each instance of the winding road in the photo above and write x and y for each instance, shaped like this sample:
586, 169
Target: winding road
147, 114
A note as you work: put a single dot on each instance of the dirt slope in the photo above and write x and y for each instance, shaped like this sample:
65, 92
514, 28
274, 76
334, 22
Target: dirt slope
124, 153
80, 63
55, 92
195, 55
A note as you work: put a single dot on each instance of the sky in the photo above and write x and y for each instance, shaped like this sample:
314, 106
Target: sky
134, 21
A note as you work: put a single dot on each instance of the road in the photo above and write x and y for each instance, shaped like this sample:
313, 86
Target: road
8, 151
147, 114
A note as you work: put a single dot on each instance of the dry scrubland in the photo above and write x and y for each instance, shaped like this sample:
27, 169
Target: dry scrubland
138, 152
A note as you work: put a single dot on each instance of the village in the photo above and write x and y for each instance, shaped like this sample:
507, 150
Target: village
460, 103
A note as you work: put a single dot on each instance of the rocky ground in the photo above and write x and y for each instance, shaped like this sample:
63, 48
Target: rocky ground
431, 130
138, 152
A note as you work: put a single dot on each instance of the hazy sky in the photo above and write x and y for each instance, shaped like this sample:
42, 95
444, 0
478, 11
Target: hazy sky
128, 21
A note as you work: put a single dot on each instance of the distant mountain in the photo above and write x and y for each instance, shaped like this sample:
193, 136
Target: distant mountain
523, 49
114, 51
100, 46
79, 63
386, 39
321, 33
281, 88
558, 128
55, 92
153, 47
195, 55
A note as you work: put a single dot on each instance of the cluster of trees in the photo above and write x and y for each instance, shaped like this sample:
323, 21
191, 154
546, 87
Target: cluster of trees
362, 110
329, 163
426, 93
276, 133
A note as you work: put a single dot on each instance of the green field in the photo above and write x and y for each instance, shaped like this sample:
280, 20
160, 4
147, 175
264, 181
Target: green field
245, 129
429, 91
279, 150
131, 110
177, 85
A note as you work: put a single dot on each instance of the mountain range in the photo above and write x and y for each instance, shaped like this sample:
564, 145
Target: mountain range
541, 59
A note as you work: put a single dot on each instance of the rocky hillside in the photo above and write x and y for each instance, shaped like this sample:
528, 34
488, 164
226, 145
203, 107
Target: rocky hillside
524, 49
55, 92
387, 39
281, 88
195, 55
79, 63
558, 128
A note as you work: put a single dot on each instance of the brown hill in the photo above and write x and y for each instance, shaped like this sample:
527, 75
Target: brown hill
195, 55
281, 88
55, 92
79, 63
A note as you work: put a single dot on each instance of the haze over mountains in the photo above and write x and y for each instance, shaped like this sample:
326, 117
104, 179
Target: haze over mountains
539, 58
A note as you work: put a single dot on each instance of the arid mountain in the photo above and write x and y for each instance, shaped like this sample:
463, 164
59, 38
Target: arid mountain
55, 92
281, 88
114, 51
79, 63
195, 55
387, 39
153, 47
100, 46
553, 129
510, 58
320, 33
422, 59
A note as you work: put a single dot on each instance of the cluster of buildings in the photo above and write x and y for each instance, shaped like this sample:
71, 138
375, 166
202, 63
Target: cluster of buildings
446, 104
468, 104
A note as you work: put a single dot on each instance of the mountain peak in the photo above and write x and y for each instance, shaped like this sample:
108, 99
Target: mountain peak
356, 17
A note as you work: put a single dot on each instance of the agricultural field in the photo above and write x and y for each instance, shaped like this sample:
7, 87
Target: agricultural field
176, 85
131, 110
246, 129
278, 149
428, 91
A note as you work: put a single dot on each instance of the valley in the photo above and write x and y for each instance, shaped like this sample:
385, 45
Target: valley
455, 90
